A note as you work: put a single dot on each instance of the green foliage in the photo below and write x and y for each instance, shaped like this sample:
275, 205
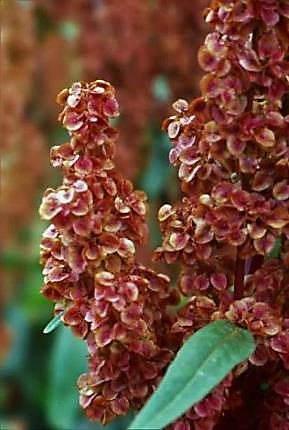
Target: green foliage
67, 363
156, 175
161, 89
120, 423
275, 253
69, 30
11, 258
19, 327
203, 361
53, 324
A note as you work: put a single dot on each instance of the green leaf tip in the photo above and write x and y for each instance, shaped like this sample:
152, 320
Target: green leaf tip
202, 363
275, 253
53, 324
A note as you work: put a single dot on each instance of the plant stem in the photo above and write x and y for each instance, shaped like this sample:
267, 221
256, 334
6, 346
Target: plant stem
239, 279
257, 262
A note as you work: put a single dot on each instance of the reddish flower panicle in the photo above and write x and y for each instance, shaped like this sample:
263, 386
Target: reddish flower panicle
231, 149
90, 269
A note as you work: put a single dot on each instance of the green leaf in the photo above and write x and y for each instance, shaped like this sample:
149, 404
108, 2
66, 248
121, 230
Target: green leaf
67, 362
275, 253
154, 179
202, 362
161, 89
11, 258
21, 332
69, 30
53, 324
119, 423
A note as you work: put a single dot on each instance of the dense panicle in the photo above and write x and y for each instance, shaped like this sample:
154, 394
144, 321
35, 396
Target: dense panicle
90, 269
231, 149
159, 42
230, 232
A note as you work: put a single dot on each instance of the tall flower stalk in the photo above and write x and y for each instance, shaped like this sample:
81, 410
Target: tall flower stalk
231, 149
229, 233
90, 268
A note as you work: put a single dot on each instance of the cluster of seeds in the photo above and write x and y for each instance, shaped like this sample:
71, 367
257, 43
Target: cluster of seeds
230, 232
231, 148
89, 263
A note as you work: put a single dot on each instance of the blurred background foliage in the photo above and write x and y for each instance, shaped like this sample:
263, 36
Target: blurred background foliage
147, 50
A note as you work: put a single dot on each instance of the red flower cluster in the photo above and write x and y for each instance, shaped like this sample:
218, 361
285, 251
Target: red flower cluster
90, 268
230, 233
232, 151
168, 36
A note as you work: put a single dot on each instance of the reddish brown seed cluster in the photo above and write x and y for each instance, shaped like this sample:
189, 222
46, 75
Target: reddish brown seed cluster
231, 148
169, 33
90, 269
230, 233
